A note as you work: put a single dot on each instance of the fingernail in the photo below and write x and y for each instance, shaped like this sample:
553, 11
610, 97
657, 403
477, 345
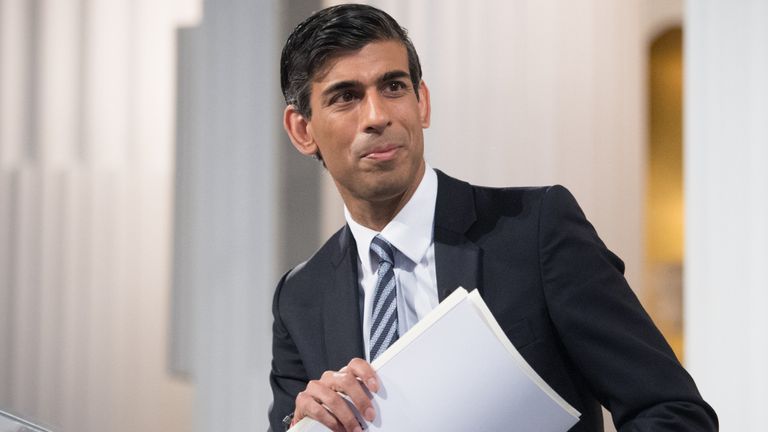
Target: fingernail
372, 384
358, 429
370, 414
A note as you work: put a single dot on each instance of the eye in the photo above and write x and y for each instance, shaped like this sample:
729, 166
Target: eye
347, 96
395, 88
343, 97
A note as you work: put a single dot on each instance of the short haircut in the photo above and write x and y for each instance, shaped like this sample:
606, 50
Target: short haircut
332, 32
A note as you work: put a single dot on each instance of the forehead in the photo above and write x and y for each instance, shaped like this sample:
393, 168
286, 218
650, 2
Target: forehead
365, 64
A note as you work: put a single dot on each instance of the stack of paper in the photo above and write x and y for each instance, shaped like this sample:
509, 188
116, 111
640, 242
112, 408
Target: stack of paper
457, 371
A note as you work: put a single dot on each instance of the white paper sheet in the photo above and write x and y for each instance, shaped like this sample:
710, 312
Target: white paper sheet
456, 371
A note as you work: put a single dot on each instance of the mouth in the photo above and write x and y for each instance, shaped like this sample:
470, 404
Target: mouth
382, 153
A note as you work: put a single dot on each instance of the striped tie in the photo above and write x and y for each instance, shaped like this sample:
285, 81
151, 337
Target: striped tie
384, 316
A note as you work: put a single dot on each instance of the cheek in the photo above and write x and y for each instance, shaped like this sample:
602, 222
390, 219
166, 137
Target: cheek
409, 114
324, 135
336, 146
338, 129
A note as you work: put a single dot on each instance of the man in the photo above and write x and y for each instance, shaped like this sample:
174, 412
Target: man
355, 99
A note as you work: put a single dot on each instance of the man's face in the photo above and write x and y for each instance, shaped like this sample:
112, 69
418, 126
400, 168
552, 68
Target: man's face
367, 123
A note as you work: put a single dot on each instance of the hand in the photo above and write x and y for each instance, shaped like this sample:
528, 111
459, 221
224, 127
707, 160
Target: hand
321, 399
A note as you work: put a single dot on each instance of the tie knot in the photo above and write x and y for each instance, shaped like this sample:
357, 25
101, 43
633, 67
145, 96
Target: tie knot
382, 249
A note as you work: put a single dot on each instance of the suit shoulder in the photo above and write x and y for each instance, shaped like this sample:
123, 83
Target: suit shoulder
511, 191
454, 186
525, 196
519, 198
530, 192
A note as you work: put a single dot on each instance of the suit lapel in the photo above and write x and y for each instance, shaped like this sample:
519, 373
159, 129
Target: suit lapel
457, 259
341, 306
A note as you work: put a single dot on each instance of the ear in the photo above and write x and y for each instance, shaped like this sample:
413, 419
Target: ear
425, 109
297, 128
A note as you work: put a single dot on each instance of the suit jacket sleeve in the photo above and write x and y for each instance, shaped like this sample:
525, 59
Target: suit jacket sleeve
288, 376
605, 330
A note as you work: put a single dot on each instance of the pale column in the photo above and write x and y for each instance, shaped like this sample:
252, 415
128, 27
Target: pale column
228, 217
726, 190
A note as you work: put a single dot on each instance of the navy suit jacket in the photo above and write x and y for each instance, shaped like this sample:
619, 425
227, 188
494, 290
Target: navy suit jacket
555, 289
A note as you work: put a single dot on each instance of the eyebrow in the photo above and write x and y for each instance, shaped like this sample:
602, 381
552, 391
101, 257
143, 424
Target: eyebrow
389, 76
341, 85
344, 85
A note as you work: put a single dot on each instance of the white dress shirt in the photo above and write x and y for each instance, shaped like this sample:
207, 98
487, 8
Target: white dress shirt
410, 233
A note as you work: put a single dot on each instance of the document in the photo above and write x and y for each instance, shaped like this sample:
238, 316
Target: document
13, 423
456, 370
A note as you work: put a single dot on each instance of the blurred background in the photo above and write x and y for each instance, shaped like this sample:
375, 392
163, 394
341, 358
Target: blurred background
149, 200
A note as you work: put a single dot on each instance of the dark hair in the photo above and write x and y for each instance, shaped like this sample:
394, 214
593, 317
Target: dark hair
332, 32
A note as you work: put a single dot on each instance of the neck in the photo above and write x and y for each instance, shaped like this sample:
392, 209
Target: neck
377, 214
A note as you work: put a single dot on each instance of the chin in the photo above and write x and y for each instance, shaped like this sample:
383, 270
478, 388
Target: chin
385, 190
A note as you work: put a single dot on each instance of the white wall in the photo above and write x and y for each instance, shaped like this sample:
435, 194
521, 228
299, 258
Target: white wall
86, 163
537, 92
726, 193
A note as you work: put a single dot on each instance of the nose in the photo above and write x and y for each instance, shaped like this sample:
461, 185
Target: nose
375, 114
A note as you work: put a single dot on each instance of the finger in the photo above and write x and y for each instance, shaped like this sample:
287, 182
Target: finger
363, 370
307, 406
349, 385
322, 393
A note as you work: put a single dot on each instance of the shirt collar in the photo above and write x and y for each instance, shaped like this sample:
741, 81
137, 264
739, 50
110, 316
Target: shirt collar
410, 231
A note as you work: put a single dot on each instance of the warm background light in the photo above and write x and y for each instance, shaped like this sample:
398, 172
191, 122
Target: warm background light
664, 190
